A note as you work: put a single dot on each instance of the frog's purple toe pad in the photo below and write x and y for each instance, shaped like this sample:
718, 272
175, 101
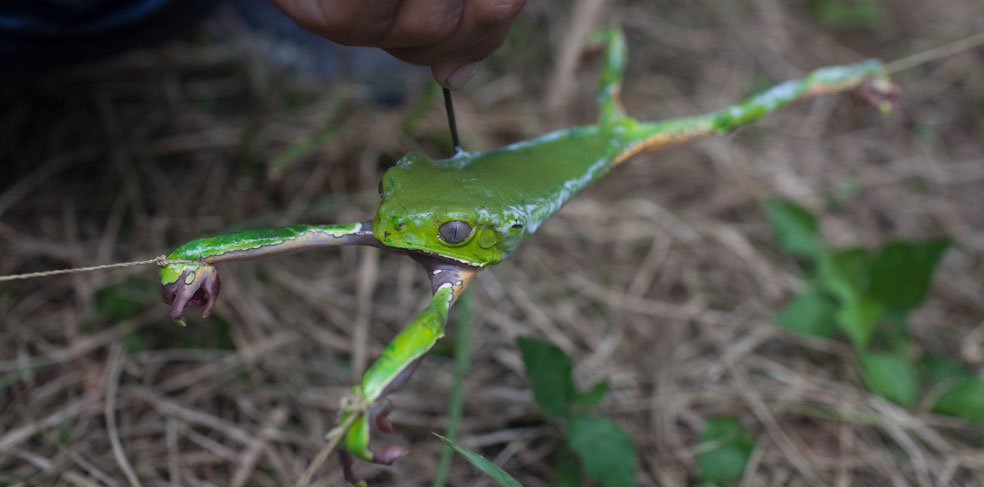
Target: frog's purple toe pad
201, 291
390, 454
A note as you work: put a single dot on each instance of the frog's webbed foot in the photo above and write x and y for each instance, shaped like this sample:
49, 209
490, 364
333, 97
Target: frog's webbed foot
196, 285
369, 411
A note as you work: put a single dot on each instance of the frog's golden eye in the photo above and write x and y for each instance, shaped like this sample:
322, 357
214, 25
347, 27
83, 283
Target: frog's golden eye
454, 231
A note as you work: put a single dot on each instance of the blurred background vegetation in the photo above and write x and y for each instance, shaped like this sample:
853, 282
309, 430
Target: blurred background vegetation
722, 292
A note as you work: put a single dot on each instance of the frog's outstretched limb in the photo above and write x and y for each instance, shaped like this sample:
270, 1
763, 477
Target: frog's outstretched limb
395, 366
868, 79
615, 54
196, 282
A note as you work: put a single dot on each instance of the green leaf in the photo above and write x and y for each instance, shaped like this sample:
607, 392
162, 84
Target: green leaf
891, 376
809, 314
593, 396
937, 369
858, 319
843, 272
133, 342
852, 15
794, 226
120, 301
725, 461
902, 271
964, 400
549, 370
605, 450
488, 468
566, 472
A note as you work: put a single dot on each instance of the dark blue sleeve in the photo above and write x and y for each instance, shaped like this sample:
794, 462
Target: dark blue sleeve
42, 35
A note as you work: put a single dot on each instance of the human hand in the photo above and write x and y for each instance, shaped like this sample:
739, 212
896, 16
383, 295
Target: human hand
450, 36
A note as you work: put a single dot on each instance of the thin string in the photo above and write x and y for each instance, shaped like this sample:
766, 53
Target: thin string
355, 406
936, 53
452, 126
160, 260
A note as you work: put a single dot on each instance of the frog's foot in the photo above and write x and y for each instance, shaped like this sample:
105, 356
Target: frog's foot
196, 285
880, 93
375, 419
348, 460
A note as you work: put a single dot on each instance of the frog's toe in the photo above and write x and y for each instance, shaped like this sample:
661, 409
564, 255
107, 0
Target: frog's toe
379, 417
194, 287
880, 93
387, 457
390, 454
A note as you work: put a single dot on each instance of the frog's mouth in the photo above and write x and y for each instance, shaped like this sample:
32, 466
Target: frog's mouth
441, 269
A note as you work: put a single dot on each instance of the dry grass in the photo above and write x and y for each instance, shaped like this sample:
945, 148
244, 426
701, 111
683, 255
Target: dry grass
663, 277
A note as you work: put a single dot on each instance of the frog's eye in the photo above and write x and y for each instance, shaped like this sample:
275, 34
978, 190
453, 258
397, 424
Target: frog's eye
454, 231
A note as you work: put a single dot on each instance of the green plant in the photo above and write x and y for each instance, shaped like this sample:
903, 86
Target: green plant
595, 446
726, 446
487, 467
869, 295
848, 14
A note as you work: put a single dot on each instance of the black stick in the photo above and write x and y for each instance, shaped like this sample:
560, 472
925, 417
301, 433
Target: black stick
451, 125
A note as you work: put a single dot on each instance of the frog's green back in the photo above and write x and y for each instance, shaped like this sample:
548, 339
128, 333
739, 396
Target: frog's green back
503, 195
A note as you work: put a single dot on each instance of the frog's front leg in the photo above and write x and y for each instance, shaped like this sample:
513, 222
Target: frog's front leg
194, 280
611, 42
369, 405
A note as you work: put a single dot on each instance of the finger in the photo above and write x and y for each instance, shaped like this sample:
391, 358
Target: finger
455, 71
211, 288
343, 21
181, 299
379, 415
390, 454
423, 22
347, 470
480, 20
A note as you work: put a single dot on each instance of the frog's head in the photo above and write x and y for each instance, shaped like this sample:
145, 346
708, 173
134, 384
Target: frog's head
439, 210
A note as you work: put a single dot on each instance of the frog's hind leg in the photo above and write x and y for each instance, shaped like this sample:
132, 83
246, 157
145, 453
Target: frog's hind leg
612, 43
868, 79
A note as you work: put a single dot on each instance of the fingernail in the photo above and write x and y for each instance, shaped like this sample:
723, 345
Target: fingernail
461, 76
